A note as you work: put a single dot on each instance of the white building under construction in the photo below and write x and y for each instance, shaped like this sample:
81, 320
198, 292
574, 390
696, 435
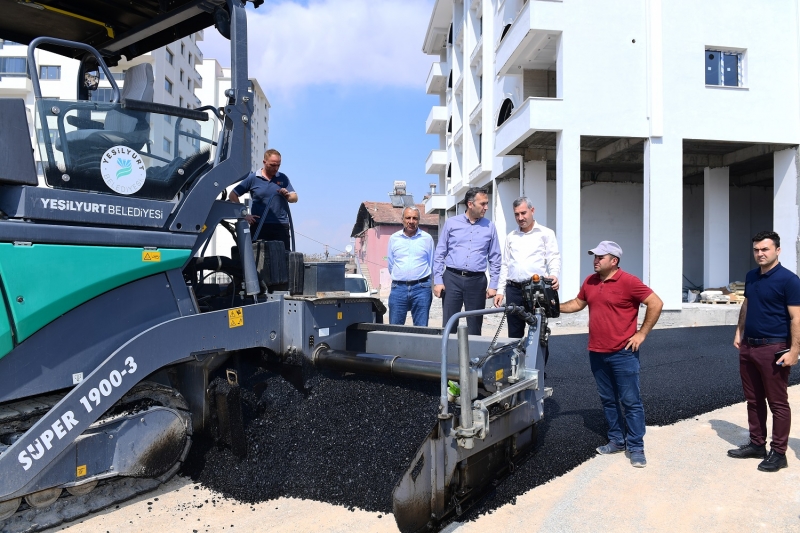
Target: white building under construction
670, 127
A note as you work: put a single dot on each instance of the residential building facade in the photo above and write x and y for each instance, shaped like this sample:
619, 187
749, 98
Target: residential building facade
668, 127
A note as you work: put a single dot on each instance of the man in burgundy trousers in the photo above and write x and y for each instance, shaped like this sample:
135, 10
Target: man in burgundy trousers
769, 323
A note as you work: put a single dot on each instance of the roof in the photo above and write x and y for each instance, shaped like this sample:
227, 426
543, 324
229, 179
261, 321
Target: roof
372, 214
114, 27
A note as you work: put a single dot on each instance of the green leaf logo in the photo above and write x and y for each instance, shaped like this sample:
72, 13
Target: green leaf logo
126, 167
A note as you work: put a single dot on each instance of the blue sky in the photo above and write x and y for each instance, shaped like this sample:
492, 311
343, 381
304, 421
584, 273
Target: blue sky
346, 82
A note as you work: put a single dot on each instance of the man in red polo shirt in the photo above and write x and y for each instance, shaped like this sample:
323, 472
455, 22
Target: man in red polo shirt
613, 297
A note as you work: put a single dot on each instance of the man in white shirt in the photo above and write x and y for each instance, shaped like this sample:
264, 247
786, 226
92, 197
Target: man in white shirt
531, 249
410, 257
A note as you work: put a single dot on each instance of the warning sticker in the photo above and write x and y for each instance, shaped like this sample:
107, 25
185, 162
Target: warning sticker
235, 318
339, 315
80, 471
151, 256
498, 375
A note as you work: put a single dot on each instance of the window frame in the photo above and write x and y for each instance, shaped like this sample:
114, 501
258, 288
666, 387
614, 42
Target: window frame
168, 85
170, 57
741, 58
44, 72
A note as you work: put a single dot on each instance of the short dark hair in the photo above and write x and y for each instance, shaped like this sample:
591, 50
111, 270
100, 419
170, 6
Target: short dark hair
473, 192
774, 237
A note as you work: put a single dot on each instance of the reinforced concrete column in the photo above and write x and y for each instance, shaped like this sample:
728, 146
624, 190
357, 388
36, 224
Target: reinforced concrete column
785, 206
534, 186
506, 191
716, 235
663, 219
568, 211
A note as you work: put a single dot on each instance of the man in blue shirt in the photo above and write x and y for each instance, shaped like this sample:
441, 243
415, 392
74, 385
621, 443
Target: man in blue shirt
769, 323
410, 261
265, 188
467, 244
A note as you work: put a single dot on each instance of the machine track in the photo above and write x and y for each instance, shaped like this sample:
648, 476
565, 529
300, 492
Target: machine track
93, 495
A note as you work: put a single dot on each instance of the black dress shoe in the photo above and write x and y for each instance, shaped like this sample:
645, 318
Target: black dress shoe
749, 450
774, 462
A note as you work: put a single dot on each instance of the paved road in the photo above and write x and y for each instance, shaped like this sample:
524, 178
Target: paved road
685, 372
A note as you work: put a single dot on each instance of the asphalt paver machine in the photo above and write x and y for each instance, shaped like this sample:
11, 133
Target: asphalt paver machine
113, 326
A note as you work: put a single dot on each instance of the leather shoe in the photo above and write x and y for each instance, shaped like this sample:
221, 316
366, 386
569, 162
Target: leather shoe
774, 462
749, 450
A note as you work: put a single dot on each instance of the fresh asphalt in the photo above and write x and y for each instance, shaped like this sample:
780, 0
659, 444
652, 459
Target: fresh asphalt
346, 440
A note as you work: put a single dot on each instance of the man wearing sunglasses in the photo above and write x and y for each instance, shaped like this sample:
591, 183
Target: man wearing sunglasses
613, 297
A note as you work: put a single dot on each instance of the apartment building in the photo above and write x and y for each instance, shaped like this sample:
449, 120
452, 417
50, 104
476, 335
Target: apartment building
669, 127
217, 81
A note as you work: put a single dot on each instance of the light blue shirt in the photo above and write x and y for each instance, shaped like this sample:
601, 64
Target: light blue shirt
466, 245
410, 258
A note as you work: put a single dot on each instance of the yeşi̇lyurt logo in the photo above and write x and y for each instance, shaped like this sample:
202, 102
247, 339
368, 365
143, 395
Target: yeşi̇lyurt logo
123, 169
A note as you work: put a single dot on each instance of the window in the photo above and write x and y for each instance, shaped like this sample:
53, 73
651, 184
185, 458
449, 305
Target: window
170, 57
190, 60
189, 84
168, 119
183, 49
39, 168
49, 72
13, 66
505, 111
40, 135
180, 101
724, 68
115, 75
180, 76
168, 85
167, 145
104, 94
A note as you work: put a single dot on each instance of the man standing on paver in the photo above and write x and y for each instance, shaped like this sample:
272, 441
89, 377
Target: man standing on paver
410, 262
769, 322
531, 249
467, 243
613, 297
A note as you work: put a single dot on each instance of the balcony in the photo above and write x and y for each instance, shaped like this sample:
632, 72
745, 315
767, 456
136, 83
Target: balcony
437, 120
437, 79
527, 44
436, 202
15, 86
436, 162
477, 54
536, 114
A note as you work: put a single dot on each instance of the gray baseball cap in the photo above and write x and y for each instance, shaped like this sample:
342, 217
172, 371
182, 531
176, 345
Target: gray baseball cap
607, 247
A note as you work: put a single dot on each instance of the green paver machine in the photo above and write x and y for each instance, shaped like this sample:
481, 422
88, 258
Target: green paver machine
113, 325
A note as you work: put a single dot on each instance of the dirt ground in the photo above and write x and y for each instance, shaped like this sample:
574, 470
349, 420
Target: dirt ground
689, 485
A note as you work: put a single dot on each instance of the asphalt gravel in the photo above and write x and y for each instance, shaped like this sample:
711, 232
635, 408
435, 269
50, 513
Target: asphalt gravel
347, 439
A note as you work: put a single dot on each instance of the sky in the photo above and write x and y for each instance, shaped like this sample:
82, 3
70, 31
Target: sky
346, 83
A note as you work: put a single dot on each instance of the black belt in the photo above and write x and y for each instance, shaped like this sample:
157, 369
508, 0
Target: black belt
464, 273
413, 282
517, 284
759, 342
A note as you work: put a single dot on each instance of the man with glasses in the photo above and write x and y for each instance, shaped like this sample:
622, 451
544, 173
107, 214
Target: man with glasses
613, 297
263, 188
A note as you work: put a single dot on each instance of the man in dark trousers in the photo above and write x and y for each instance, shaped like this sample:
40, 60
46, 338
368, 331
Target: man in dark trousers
263, 187
467, 244
769, 322
613, 297
531, 249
